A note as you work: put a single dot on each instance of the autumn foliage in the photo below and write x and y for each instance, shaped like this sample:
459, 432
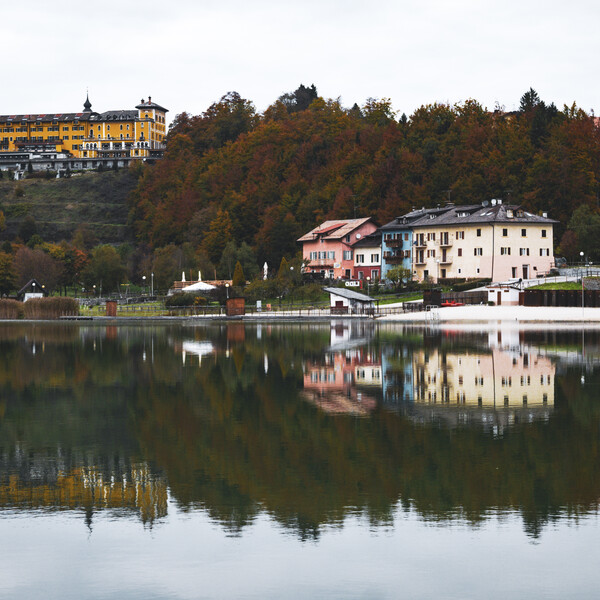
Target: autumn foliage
232, 174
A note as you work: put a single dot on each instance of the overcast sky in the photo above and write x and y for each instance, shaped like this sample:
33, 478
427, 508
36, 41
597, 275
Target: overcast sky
188, 53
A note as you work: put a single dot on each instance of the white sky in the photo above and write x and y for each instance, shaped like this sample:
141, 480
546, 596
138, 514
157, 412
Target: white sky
188, 53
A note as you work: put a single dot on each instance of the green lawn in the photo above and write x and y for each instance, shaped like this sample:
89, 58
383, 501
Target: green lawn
564, 285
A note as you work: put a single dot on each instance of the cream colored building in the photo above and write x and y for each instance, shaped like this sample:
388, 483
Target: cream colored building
495, 379
493, 241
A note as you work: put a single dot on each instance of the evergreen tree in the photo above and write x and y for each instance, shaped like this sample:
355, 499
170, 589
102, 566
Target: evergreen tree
238, 275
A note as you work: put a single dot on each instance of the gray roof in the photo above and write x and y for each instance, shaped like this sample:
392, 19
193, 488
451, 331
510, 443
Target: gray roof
346, 293
368, 241
469, 214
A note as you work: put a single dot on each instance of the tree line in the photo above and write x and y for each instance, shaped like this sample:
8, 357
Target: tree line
234, 175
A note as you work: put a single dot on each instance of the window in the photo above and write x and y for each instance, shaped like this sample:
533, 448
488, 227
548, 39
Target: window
544, 251
431, 237
406, 237
523, 251
374, 258
360, 258
505, 251
505, 232
331, 254
543, 233
347, 238
347, 254
477, 270
479, 233
430, 253
523, 232
478, 251
460, 235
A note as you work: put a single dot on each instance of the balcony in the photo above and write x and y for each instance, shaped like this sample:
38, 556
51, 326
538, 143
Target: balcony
393, 242
392, 258
446, 260
446, 242
421, 242
420, 260
321, 263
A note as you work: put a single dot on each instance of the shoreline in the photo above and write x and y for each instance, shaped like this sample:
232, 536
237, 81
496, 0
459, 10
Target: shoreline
480, 313
452, 314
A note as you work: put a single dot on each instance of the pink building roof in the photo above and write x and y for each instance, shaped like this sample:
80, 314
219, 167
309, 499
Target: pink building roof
334, 230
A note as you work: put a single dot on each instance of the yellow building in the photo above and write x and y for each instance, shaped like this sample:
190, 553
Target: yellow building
83, 140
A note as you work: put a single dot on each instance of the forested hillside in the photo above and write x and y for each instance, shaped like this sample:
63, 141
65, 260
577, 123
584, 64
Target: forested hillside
264, 179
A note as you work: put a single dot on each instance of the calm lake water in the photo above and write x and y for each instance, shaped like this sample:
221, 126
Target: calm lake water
296, 461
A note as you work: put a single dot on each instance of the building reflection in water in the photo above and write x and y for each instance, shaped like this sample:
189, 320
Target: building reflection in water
494, 378
347, 377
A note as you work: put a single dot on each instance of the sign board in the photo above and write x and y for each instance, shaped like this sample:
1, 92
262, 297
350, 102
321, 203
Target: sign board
352, 283
336, 265
30, 295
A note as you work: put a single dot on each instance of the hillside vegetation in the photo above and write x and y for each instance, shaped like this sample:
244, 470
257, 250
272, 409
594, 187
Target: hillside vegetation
60, 206
232, 174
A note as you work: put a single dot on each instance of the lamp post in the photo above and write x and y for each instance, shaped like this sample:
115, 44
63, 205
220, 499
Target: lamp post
582, 292
368, 286
152, 284
144, 282
227, 290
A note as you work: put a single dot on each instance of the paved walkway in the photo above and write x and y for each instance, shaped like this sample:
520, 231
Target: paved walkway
478, 312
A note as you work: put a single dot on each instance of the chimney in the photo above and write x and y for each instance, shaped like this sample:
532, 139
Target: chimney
493, 201
149, 99
545, 215
499, 200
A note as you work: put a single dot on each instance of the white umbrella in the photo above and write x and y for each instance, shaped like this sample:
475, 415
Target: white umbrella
199, 286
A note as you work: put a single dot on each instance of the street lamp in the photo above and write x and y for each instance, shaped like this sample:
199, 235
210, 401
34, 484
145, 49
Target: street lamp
582, 292
144, 282
152, 284
227, 290
368, 286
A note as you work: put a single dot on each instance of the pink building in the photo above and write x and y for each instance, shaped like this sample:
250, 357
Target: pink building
328, 248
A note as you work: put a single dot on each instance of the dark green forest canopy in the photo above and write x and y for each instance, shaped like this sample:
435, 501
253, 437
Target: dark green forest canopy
265, 179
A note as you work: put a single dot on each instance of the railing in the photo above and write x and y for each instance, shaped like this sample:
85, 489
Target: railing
393, 258
393, 243
446, 242
446, 260
321, 262
420, 243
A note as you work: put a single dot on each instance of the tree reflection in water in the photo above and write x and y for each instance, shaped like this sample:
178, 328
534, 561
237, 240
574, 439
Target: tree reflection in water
309, 423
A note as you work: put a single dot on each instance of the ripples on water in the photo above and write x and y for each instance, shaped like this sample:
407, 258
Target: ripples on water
281, 438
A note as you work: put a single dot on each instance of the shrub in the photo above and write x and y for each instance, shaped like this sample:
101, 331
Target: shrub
11, 309
185, 299
470, 284
50, 308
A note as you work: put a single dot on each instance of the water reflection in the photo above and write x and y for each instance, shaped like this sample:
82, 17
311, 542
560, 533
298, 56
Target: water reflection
309, 423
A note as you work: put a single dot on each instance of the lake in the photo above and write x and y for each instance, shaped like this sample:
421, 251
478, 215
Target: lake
344, 460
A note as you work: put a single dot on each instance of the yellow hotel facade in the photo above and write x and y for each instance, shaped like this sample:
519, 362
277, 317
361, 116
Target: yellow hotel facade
83, 140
